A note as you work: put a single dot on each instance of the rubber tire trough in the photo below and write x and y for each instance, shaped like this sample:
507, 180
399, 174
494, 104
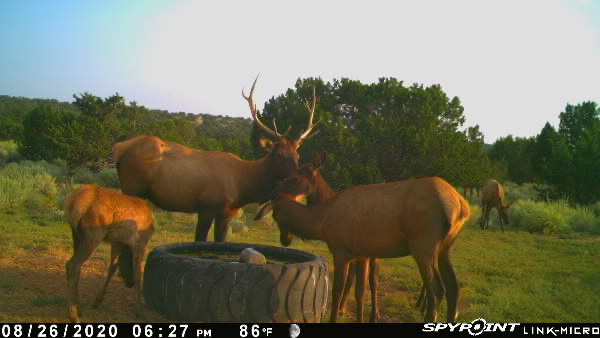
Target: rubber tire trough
190, 289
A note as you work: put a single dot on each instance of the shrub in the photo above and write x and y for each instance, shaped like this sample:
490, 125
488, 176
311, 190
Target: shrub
539, 217
526, 191
553, 217
109, 178
33, 191
83, 175
596, 208
56, 168
8, 152
583, 219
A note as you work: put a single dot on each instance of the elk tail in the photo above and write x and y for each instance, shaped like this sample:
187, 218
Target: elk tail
455, 222
126, 266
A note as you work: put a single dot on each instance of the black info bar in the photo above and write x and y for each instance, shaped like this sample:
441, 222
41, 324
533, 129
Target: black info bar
267, 330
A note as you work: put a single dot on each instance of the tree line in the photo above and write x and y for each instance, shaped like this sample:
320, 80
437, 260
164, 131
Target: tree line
85, 130
377, 132
384, 131
567, 159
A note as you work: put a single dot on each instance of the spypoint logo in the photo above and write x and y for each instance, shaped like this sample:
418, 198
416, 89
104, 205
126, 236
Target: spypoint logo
475, 328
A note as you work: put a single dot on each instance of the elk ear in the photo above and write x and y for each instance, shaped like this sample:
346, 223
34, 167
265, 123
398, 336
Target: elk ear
266, 143
264, 210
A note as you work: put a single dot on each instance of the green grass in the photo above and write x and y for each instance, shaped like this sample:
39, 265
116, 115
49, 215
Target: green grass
511, 276
544, 268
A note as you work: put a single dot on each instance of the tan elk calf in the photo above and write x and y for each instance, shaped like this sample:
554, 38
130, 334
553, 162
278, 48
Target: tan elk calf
419, 217
213, 184
492, 196
97, 214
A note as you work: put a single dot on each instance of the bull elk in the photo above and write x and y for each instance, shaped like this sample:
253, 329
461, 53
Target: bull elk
96, 214
419, 217
317, 191
492, 196
213, 184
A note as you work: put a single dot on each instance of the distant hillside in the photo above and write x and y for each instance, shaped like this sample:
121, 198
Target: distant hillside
22, 105
212, 126
208, 125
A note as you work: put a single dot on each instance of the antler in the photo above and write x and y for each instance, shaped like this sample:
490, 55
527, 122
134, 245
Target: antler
255, 113
311, 110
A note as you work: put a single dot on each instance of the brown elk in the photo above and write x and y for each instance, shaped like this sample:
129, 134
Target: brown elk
316, 190
213, 184
97, 214
492, 196
419, 217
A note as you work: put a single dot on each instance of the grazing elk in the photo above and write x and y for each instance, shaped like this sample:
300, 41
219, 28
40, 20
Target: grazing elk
492, 196
419, 217
97, 214
213, 184
316, 190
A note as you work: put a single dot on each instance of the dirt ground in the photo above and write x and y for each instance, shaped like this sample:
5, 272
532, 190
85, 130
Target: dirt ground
33, 289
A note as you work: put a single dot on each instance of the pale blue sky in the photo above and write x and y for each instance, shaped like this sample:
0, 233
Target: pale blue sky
514, 64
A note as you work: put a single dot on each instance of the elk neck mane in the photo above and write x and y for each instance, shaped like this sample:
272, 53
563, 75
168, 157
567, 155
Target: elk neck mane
323, 191
258, 180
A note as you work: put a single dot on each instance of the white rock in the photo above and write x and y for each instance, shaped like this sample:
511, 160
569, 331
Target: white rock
252, 256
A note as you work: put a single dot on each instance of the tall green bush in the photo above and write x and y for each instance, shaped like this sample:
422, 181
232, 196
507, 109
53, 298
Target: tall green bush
8, 152
553, 217
26, 189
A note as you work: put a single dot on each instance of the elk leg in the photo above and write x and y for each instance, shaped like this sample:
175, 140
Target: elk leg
144, 238
420, 301
87, 243
348, 286
75, 237
359, 290
222, 223
451, 284
205, 218
486, 217
138, 255
374, 282
339, 278
424, 254
439, 292
440, 289
115, 252
482, 219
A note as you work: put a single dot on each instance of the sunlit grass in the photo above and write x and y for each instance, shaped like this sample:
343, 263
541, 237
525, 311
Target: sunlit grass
511, 276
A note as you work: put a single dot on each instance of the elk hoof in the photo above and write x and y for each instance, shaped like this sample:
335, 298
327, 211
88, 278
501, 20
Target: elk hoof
73, 314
